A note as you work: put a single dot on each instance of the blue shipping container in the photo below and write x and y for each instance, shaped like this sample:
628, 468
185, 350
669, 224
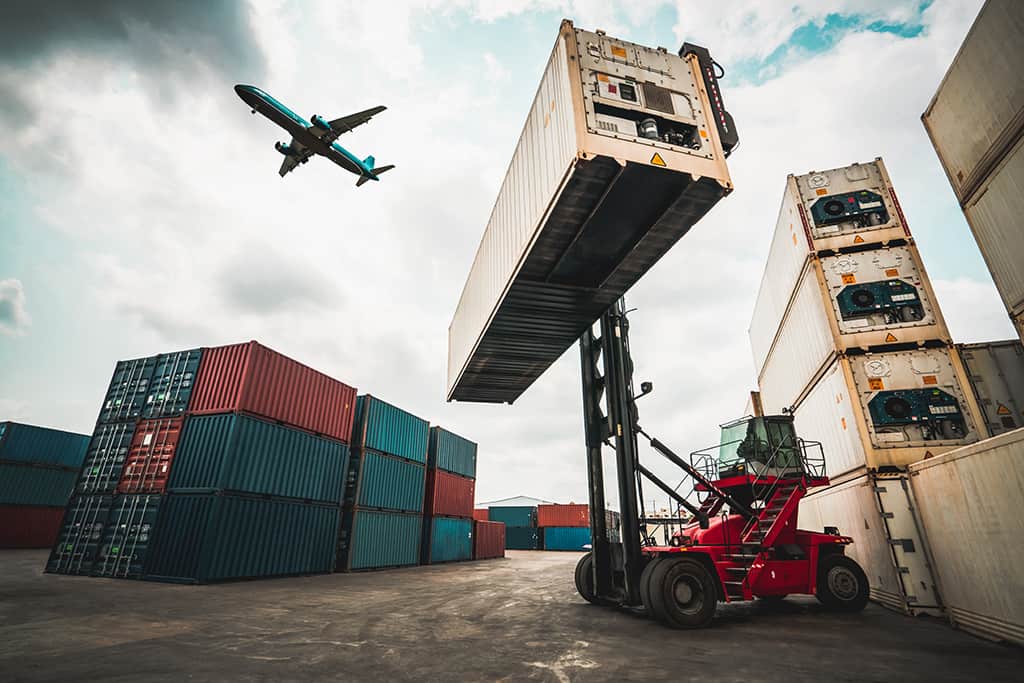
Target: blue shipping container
28, 443
85, 520
170, 386
514, 516
450, 540
522, 538
384, 482
27, 484
566, 537
452, 453
375, 540
201, 538
104, 459
383, 427
128, 535
129, 387
235, 452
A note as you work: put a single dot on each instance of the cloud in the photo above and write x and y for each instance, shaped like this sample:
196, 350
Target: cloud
973, 310
262, 280
14, 318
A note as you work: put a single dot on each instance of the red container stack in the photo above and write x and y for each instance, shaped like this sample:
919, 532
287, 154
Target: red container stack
148, 465
449, 495
482, 515
488, 539
29, 526
250, 378
573, 514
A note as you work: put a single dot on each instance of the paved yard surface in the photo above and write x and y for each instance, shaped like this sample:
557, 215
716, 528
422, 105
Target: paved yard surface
501, 620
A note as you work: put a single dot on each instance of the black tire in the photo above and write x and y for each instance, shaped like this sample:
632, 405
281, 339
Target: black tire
645, 584
683, 593
585, 581
842, 584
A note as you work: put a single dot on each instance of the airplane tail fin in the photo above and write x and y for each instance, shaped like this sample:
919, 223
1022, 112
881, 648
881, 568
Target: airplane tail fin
376, 172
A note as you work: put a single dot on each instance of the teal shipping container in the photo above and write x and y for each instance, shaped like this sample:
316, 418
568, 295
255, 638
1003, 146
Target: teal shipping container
566, 537
514, 516
233, 452
28, 443
127, 537
383, 427
26, 484
522, 538
376, 540
105, 457
128, 390
202, 538
450, 540
85, 520
384, 482
451, 453
170, 385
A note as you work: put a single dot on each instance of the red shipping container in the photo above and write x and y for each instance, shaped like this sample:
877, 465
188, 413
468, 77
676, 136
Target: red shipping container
573, 514
488, 539
482, 514
29, 526
250, 378
449, 495
148, 465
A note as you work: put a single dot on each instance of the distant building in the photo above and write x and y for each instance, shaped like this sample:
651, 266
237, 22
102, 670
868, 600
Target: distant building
516, 501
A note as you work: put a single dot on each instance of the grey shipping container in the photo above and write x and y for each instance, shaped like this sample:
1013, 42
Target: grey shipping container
451, 453
30, 484
385, 482
372, 539
386, 428
519, 516
28, 443
996, 374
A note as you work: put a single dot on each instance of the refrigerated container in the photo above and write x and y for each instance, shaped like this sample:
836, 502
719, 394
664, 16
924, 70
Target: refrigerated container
555, 514
373, 539
996, 373
447, 539
30, 484
449, 494
519, 516
28, 443
150, 456
384, 482
488, 539
105, 457
81, 532
170, 386
451, 452
623, 150
29, 526
127, 537
566, 538
386, 428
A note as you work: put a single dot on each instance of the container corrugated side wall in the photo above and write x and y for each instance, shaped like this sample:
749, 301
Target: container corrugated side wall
389, 429
566, 538
573, 514
383, 539
29, 526
22, 484
28, 443
388, 483
540, 163
996, 372
449, 494
451, 539
827, 415
522, 538
452, 453
520, 516
488, 539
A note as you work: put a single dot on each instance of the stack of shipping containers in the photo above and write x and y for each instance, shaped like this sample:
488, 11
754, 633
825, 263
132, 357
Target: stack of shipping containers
384, 492
521, 532
564, 527
448, 524
847, 334
38, 469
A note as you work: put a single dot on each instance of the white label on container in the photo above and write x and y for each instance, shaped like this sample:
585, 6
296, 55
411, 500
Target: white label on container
859, 322
870, 205
890, 437
147, 439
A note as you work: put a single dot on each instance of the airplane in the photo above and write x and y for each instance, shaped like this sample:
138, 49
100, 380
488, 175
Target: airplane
317, 137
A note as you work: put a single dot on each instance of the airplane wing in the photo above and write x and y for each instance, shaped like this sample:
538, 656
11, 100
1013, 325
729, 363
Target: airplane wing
345, 124
291, 161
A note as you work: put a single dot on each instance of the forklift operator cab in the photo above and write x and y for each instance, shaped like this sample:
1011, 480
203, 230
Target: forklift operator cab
759, 447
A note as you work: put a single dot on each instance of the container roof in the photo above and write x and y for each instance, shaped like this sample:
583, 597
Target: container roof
516, 501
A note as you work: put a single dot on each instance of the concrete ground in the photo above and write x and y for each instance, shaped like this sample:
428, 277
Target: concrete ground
500, 620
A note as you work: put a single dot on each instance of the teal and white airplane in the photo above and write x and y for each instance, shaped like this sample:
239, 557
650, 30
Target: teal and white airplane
317, 137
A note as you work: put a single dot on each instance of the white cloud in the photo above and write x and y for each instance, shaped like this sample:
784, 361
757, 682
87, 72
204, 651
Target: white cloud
14, 317
973, 310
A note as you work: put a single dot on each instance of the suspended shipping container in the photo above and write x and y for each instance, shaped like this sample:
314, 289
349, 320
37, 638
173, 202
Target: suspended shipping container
566, 538
384, 482
522, 538
244, 454
148, 465
573, 514
523, 516
128, 390
202, 538
250, 378
28, 443
170, 386
623, 150
29, 526
449, 494
488, 539
128, 536
30, 484
105, 457
448, 540
383, 427
451, 453
996, 372
81, 532
372, 539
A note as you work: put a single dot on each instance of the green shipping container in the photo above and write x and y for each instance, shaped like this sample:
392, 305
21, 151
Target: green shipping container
128, 536
566, 537
522, 538
240, 453
450, 540
514, 516
201, 538
25, 484
375, 540
383, 427
28, 443
451, 452
384, 482
85, 520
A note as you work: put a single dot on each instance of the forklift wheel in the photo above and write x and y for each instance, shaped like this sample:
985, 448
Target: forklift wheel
585, 581
842, 584
683, 593
645, 584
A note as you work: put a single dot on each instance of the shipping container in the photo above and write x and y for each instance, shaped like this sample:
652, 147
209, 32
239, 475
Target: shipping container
383, 427
451, 453
127, 537
244, 454
384, 482
976, 114
996, 372
523, 515
250, 378
448, 540
105, 457
488, 539
969, 503
85, 520
573, 514
611, 122
613, 525
170, 387
886, 409
28, 443
30, 484
481, 515
29, 526
372, 539
128, 389
148, 465
202, 538
449, 494
523, 538
566, 538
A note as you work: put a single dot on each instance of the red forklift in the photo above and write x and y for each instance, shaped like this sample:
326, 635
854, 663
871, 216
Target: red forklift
740, 540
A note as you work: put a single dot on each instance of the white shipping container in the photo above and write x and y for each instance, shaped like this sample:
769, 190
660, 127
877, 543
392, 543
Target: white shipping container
969, 504
622, 152
830, 414
996, 373
978, 111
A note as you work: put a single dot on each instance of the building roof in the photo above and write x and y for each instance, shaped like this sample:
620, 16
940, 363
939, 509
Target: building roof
515, 501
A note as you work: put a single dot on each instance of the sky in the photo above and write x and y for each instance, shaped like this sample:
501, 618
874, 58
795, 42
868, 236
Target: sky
141, 210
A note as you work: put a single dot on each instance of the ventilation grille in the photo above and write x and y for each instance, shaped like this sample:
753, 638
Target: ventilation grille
658, 98
607, 125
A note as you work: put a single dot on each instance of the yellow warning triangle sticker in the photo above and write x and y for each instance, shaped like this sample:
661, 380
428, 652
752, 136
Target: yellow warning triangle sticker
858, 240
657, 160
1002, 410
890, 337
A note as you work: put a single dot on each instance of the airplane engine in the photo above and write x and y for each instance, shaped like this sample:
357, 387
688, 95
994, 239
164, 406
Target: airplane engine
284, 149
320, 123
